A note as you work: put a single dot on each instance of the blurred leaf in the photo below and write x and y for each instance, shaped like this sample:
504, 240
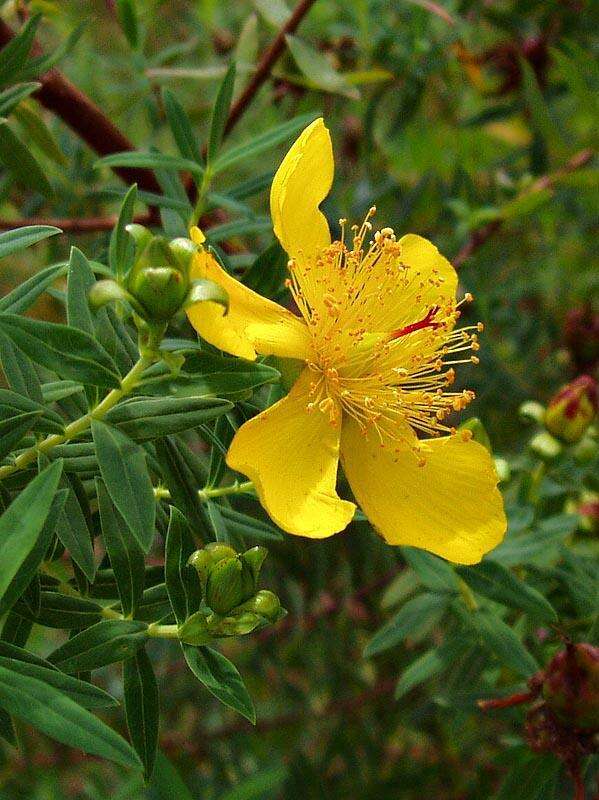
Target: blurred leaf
428, 665
24, 295
220, 113
14, 54
434, 573
181, 128
127, 17
221, 678
275, 12
166, 782
19, 161
494, 581
417, 612
154, 160
123, 465
142, 707
54, 713
259, 786
36, 131
317, 69
501, 640
104, 643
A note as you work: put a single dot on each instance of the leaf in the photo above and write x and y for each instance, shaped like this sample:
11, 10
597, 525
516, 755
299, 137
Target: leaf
23, 521
275, 12
181, 127
84, 693
318, 70
501, 640
104, 643
142, 708
210, 375
11, 97
61, 718
418, 611
428, 665
265, 141
62, 611
20, 238
166, 783
121, 250
126, 557
36, 131
13, 429
127, 17
496, 582
68, 352
221, 678
123, 466
152, 160
14, 54
19, 161
13, 404
220, 113
180, 481
261, 785
19, 372
31, 563
434, 573
145, 418
182, 581
79, 314
74, 533
25, 294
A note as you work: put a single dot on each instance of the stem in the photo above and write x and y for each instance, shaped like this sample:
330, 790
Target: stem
163, 631
467, 595
80, 425
505, 702
160, 493
202, 192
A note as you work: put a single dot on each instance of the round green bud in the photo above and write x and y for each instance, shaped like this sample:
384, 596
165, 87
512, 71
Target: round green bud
265, 603
230, 582
531, 411
161, 291
545, 446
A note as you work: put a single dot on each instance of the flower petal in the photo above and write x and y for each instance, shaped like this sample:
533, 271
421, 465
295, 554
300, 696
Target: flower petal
301, 183
253, 323
450, 506
292, 455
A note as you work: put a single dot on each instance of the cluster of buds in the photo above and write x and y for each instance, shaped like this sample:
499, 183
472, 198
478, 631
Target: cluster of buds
232, 604
567, 420
563, 716
158, 285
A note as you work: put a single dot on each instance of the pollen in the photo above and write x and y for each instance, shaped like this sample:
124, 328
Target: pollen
384, 337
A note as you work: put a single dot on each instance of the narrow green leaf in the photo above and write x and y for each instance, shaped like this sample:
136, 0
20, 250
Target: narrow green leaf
126, 556
153, 160
62, 611
249, 526
498, 583
13, 404
11, 97
122, 247
260, 144
145, 418
127, 16
220, 113
182, 582
142, 707
501, 640
19, 161
317, 69
78, 311
434, 573
61, 718
181, 127
166, 783
25, 294
31, 563
20, 238
413, 615
13, 429
14, 54
68, 352
180, 481
23, 521
82, 692
123, 465
37, 132
221, 678
104, 643
428, 665
19, 372
74, 533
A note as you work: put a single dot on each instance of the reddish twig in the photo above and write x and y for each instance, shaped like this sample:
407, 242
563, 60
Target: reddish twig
505, 702
480, 236
268, 60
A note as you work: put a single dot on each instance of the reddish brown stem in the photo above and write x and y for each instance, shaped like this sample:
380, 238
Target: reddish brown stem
505, 702
579, 792
268, 60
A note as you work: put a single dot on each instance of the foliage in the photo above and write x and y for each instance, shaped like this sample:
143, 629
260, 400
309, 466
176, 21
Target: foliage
470, 123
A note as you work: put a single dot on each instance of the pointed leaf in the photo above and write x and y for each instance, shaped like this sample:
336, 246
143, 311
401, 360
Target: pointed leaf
221, 678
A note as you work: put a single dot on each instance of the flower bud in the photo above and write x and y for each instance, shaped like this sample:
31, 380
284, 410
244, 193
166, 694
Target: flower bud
571, 686
572, 409
203, 559
230, 582
161, 291
266, 604
545, 446
254, 558
531, 411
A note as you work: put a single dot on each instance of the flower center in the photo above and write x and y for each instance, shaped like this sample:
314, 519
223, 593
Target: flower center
383, 335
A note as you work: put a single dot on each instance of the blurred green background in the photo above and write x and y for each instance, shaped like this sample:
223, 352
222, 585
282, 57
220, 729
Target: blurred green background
443, 115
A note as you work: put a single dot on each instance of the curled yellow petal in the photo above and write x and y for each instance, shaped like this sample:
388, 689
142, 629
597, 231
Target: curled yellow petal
253, 323
450, 506
292, 456
300, 185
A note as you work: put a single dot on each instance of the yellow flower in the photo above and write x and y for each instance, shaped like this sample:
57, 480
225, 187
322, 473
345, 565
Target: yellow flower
377, 338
